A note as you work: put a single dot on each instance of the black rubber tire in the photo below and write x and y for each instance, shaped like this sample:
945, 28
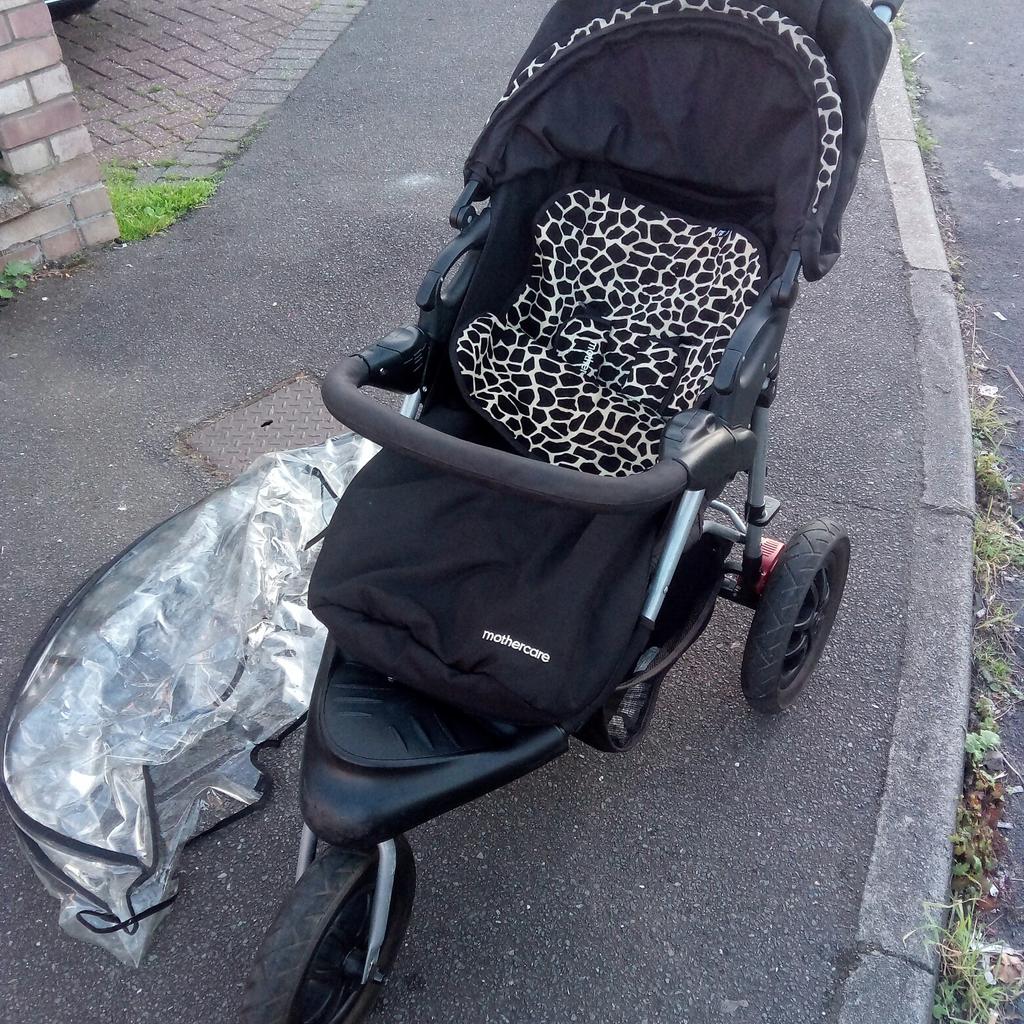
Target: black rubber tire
279, 972
772, 680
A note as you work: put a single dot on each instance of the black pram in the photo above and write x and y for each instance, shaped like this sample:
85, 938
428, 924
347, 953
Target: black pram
543, 533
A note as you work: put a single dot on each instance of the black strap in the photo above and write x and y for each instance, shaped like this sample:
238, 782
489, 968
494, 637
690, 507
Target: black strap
129, 925
324, 482
316, 540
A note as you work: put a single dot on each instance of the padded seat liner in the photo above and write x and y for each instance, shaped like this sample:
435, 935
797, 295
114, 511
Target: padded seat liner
620, 324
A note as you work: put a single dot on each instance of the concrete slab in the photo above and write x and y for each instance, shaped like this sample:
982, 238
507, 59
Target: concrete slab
881, 988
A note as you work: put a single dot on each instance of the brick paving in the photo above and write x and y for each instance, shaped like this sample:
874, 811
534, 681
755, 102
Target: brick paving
152, 74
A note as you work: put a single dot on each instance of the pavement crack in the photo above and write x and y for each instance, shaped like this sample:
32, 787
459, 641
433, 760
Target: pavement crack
957, 511
846, 502
863, 949
950, 510
887, 509
852, 958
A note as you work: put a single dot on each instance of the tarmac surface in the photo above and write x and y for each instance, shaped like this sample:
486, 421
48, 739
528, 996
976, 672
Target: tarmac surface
713, 874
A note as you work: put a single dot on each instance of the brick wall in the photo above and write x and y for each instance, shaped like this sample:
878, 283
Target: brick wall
53, 202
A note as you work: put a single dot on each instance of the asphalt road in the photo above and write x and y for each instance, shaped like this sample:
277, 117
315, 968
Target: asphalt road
714, 874
972, 70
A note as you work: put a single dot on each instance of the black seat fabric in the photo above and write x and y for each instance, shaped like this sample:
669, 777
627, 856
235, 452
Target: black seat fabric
380, 759
621, 323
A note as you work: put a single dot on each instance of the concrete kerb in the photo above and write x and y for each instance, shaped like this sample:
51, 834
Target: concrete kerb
891, 978
223, 138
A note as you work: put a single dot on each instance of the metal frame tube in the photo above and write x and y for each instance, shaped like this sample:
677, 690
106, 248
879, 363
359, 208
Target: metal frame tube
307, 851
756, 480
675, 544
380, 911
730, 513
383, 887
727, 532
411, 405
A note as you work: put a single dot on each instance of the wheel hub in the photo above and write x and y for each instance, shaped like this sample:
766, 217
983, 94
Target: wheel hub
808, 625
334, 977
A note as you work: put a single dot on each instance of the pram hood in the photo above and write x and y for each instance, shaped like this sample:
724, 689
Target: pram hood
756, 106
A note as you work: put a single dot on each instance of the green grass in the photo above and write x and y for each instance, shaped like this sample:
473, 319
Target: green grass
998, 546
987, 425
143, 210
993, 666
972, 987
964, 994
925, 139
988, 477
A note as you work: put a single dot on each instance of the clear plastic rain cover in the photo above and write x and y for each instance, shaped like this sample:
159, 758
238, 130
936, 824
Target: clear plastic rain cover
140, 708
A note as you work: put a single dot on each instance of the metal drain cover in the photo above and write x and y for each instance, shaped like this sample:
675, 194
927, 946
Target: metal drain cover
290, 416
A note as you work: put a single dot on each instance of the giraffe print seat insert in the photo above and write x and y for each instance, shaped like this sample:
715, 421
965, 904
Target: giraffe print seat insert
621, 323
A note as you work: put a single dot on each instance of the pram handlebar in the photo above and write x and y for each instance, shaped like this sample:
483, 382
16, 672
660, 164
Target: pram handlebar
501, 470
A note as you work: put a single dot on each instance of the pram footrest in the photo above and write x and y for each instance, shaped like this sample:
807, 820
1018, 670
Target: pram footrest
380, 759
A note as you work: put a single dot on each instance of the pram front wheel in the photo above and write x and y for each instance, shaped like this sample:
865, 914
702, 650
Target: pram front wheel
309, 967
794, 615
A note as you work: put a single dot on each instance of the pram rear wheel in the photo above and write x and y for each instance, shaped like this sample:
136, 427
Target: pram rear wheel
309, 967
794, 616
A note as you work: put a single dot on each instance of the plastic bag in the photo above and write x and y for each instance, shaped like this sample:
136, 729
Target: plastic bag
140, 707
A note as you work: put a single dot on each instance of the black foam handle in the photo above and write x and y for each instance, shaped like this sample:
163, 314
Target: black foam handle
501, 470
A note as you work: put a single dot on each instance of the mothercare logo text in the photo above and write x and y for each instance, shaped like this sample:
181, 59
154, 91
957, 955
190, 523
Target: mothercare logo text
588, 359
517, 645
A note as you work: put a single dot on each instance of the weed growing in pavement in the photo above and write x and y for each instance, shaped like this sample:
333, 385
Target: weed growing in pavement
968, 992
976, 839
980, 742
992, 664
925, 139
246, 141
987, 427
996, 624
145, 209
975, 982
998, 546
989, 478
14, 278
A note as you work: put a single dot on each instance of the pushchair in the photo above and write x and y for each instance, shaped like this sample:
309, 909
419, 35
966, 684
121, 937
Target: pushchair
544, 531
